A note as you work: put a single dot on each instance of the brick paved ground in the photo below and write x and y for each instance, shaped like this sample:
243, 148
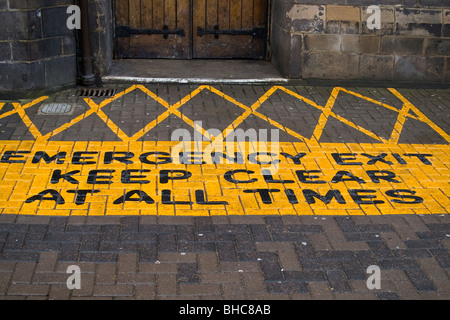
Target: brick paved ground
231, 257
225, 257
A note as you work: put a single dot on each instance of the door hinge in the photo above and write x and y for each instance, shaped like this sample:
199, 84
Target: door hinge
256, 32
127, 31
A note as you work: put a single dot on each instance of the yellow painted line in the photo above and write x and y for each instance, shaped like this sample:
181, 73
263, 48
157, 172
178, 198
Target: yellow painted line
7, 114
248, 112
359, 128
67, 125
420, 115
299, 97
374, 101
325, 115
172, 110
26, 120
1, 105
97, 109
398, 127
26, 106
252, 111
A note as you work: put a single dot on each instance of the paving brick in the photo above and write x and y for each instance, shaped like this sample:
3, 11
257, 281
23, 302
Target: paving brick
106, 273
127, 263
338, 281
253, 282
28, 289
320, 291
4, 281
23, 272
145, 292
207, 262
388, 296
420, 280
136, 278
113, 290
187, 273
199, 290
233, 291
59, 292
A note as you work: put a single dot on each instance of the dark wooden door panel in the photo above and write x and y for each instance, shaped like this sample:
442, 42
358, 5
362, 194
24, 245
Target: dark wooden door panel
186, 29
158, 29
231, 19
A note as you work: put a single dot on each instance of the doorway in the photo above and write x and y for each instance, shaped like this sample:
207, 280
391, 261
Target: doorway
191, 29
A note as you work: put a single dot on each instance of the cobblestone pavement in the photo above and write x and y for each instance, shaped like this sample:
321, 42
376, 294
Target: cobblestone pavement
363, 180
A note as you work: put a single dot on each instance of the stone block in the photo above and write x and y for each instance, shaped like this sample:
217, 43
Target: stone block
323, 42
447, 69
54, 22
295, 69
20, 25
433, 3
306, 18
387, 21
402, 45
370, 44
360, 44
37, 49
446, 29
376, 67
286, 54
446, 16
418, 22
18, 76
3, 4
437, 47
13, 76
69, 45
5, 50
419, 68
281, 48
330, 65
343, 19
36, 4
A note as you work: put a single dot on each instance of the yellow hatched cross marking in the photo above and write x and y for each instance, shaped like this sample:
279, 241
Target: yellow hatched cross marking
327, 112
171, 110
20, 110
408, 106
82, 116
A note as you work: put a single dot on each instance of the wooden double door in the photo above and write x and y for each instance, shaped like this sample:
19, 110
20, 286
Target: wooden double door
191, 29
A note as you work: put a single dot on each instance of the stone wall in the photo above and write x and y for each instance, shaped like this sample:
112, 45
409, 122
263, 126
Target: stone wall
310, 39
36, 52
326, 39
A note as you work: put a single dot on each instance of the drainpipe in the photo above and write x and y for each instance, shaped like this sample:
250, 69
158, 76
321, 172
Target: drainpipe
88, 77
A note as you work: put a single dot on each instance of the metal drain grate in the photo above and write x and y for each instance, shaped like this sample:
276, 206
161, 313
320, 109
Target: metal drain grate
56, 108
97, 92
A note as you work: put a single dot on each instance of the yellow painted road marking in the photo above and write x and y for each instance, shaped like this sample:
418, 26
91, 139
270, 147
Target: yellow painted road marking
26, 106
420, 115
327, 112
67, 125
75, 178
97, 109
78, 179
